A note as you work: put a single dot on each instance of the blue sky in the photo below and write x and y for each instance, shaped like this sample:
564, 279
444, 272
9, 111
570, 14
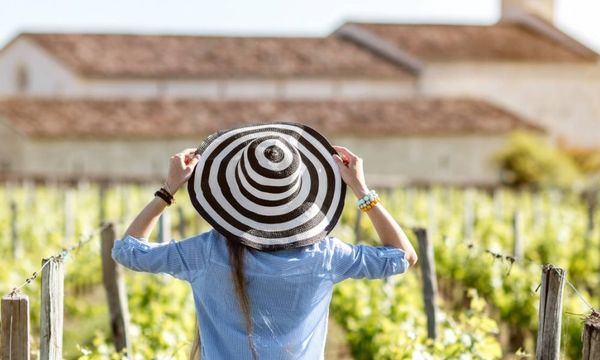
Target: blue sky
266, 17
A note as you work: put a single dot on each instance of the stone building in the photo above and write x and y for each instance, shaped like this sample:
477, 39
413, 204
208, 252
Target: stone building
419, 102
523, 63
441, 140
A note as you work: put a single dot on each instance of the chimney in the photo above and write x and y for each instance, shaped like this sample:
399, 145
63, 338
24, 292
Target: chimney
541, 8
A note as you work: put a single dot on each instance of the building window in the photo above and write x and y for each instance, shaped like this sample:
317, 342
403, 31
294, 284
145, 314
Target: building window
5, 168
22, 79
444, 161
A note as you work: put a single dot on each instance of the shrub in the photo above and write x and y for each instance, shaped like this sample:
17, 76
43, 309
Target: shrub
528, 159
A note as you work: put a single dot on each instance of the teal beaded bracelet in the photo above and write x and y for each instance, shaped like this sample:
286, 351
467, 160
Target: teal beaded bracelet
368, 201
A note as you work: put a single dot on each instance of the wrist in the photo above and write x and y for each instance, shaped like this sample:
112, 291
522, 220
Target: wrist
171, 188
360, 190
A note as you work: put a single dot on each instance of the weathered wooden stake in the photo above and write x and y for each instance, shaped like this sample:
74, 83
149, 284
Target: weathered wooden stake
468, 215
125, 203
517, 235
115, 291
591, 337
14, 230
181, 222
591, 214
433, 223
51, 310
550, 313
538, 214
15, 327
69, 208
102, 202
498, 206
429, 280
164, 227
29, 190
357, 228
410, 202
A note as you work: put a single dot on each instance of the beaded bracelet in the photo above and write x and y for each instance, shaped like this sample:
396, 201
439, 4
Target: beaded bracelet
368, 201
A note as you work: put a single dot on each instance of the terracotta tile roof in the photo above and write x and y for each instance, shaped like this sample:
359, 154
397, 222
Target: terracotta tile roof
160, 56
504, 41
53, 118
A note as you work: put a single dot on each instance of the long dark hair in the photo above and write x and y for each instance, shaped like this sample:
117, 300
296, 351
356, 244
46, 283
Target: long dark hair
236, 259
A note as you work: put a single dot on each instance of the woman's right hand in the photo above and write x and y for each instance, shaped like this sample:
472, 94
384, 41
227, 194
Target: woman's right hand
351, 169
388, 230
181, 166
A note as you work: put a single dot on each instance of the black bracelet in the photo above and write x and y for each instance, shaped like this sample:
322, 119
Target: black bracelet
164, 194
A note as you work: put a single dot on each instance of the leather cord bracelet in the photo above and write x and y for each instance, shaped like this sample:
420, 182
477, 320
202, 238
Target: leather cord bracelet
165, 195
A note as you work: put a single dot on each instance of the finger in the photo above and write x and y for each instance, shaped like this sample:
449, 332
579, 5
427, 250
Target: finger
344, 151
187, 152
178, 159
191, 162
340, 162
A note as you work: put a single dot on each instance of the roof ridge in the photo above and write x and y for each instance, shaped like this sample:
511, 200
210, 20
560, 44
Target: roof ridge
174, 35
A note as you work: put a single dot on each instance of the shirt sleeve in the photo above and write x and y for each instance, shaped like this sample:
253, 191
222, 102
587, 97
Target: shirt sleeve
181, 259
365, 261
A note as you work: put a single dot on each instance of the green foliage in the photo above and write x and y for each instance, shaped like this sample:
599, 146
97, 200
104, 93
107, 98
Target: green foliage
488, 307
529, 160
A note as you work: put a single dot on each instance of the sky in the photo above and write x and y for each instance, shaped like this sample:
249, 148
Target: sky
579, 18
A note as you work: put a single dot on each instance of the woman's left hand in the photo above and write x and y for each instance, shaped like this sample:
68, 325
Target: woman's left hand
181, 166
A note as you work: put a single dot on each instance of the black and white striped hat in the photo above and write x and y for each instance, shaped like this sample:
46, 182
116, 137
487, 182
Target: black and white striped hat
270, 186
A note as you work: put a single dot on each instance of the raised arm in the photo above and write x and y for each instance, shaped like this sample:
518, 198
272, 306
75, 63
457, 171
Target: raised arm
181, 166
388, 230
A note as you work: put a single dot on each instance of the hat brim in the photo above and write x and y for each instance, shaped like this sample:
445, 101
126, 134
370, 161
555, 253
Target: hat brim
244, 210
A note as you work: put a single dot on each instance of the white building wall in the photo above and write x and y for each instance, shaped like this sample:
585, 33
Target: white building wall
46, 76
11, 149
455, 159
100, 88
447, 159
66, 158
564, 98
376, 89
244, 89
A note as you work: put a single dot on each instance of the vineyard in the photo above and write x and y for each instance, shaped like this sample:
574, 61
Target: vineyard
488, 249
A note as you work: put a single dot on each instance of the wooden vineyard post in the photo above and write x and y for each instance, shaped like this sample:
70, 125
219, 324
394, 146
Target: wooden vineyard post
538, 214
429, 280
115, 291
468, 215
14, 230
357, 229
15, 327
497, 203
69, 209
433, 222
181, 223
410, 202
164, 227
517, 237
550, 312
591, 213
102, 202
591, 337
125, 203
51, 310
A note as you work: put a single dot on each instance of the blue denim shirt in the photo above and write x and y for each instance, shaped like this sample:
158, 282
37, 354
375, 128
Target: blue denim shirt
289, 290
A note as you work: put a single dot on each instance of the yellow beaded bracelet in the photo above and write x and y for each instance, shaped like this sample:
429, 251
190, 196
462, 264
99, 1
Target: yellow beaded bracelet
368, 201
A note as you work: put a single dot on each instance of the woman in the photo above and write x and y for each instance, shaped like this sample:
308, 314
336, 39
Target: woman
262, 279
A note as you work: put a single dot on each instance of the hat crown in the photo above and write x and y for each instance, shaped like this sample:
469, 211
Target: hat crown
270, 161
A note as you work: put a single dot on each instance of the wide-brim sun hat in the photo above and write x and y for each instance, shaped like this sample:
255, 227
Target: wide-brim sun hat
269, 186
